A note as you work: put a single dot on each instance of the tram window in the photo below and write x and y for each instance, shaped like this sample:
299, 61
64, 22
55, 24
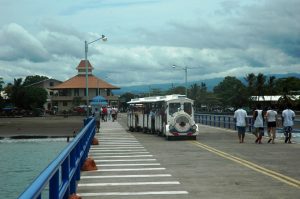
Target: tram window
188, 108
173, 107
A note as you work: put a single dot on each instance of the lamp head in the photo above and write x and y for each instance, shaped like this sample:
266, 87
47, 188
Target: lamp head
103, 38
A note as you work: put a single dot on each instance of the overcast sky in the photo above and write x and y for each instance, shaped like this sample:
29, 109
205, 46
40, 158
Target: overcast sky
213, 38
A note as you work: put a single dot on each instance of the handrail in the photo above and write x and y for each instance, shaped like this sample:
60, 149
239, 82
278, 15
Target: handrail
63, 172
227, 121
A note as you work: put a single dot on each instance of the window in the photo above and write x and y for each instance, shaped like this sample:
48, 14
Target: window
173, 107
51, 84
187, 108
65, 103
76, 92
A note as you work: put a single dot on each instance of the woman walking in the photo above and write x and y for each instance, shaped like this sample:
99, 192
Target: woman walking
271, 117
258, 124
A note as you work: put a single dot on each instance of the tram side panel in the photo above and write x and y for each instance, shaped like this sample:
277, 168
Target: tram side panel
130, 121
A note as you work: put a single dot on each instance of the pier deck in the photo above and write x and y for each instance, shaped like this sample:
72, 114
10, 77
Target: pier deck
138, 165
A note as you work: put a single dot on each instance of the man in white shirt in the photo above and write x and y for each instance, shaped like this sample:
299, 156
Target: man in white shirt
288, 117
240, 117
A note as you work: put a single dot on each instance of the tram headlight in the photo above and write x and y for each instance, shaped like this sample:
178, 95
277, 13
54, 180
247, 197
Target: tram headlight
194, 127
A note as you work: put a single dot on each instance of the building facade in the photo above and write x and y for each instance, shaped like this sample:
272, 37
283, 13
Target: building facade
72, 92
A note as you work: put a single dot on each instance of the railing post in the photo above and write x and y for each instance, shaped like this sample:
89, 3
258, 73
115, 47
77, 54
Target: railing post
224, 121
214, 120
219, 120
229, 122
250, 124
54, 186
66, 173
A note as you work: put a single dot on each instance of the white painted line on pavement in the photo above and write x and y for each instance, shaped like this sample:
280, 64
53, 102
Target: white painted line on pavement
111, 129
126, 160
115, 145
119, 142
127, 176
119, 138
121, 156
121, 147
110, 150
117, 165
110, 141
133, 193
126, 153
134, 169
126, 183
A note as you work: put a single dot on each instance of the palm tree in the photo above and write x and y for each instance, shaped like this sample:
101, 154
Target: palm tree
260, 84
1, 83
251, 79
17, 93
194, 91
271, 85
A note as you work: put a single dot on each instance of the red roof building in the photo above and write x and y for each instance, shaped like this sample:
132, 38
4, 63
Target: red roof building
72, 92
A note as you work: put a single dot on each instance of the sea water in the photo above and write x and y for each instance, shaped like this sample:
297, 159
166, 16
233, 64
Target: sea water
22, 160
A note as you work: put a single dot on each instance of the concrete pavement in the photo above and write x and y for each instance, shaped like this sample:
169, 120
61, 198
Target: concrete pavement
138, 165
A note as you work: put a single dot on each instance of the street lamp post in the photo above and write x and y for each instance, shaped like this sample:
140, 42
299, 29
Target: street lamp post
185, 70
86, 45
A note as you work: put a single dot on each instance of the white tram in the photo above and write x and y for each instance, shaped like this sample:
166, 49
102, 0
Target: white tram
170, 116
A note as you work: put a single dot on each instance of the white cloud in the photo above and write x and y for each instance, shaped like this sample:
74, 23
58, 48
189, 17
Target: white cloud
18, 43
145, 38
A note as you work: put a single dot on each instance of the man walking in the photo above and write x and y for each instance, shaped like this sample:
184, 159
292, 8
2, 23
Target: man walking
97, 119
288, 117
240, 117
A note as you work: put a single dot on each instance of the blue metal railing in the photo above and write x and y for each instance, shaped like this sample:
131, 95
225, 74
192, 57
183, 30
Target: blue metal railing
227, 121
59, 178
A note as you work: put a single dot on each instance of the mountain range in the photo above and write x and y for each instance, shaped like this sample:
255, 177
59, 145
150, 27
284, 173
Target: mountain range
210, 84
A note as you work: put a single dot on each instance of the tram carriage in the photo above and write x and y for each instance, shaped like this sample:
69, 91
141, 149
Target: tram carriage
170, 116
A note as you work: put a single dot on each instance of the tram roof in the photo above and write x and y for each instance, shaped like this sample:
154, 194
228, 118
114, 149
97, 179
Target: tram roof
157, 99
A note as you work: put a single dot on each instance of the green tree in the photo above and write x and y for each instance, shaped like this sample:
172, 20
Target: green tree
1, 83
76, 101
29, 80
260, 84
26, 97
156, 92
270, 88
194, 91
17, 93
176, 90
231, 92
34, 97
287, 87
251, 79
126, 97
199, 94
1, 88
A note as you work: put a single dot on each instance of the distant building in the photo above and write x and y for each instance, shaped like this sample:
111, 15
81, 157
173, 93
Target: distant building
72, 92
47, 84
271, 98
